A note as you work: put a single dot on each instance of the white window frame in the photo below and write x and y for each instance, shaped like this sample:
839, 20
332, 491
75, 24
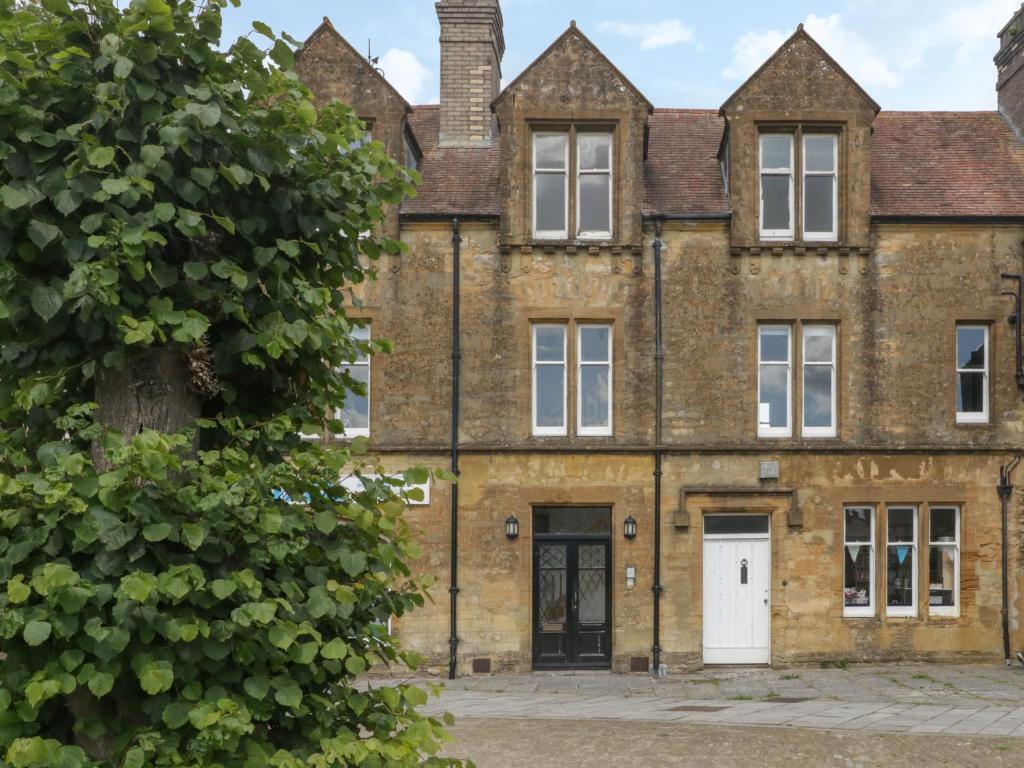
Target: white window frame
945, 610
765, 430
597, 234
834, 173
902, 610
775, 234
972, 417
557, 431
551, 234
860, 611
580, 364
359, 362
821, 329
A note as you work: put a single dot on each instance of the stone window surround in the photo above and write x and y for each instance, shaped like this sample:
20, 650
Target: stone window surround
798, 131
572, 322
796, 366
573, 128
881, 501
974, 418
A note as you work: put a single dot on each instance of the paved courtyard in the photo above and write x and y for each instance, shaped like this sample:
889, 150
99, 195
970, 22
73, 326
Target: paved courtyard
985, 700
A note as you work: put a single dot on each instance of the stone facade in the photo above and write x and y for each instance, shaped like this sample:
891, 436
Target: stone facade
893, 288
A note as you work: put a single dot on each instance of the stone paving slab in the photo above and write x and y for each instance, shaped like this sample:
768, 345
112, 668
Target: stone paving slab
987, 700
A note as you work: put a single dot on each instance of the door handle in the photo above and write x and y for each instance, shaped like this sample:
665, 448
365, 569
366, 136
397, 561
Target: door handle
575, 601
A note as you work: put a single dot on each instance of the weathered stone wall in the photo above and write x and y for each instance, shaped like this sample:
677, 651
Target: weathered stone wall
898, 441
807, 624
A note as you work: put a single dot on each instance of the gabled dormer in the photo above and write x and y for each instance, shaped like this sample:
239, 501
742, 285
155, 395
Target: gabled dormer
797, 152
572, 140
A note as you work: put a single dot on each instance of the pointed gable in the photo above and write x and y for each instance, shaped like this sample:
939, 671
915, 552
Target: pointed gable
574, 70
807, 76
333, 69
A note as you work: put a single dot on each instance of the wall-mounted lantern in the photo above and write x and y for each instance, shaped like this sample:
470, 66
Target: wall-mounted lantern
629, 528
512, 527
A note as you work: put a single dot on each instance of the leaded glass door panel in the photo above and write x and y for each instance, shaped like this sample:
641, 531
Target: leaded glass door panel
572, 603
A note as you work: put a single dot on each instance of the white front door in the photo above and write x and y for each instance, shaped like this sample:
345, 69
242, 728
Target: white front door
737, 605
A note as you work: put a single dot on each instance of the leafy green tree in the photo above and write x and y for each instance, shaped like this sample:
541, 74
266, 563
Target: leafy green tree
186, 581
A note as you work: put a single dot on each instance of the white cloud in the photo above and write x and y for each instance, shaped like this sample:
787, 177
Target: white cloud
651, 35
404, 71
852, 51
750, 51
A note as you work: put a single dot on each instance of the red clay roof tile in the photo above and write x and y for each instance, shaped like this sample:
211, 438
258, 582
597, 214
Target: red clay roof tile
924, 164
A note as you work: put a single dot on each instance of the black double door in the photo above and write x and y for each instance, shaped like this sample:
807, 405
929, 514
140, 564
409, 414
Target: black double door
572, 603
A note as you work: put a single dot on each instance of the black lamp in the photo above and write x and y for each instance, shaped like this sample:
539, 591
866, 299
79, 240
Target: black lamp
512, 527
629, 528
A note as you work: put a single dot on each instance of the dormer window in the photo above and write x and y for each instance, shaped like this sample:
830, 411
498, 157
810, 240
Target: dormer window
818, 187
585, 209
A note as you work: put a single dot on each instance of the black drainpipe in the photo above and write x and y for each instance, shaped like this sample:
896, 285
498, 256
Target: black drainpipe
659, 359
1005, 491
453, 590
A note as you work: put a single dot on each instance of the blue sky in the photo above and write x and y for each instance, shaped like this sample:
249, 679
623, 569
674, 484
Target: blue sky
908, 54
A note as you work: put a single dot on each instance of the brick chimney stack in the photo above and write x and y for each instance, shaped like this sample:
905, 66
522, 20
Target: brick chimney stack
472, 44
1010, 66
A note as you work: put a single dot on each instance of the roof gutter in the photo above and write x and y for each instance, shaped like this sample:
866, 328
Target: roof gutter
918, 219
712, 216
447, 217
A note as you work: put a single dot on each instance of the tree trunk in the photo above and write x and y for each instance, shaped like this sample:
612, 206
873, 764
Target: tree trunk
154, 391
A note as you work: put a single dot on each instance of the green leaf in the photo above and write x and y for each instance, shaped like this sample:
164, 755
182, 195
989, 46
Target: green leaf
13, 198
156, 677
307, 112
282, 55
134, 758
156, 531
176, 715
101, 157
17, 590
122, 67
46, 301
288, 693
336, 649
256, 687
42, 233
164, 212
356, 665
326, 521
225, 223
282, 636
100, 684
208, 114
115, 186
37, 632
67, 202
194, 534
264, 30
151, 154
196, 270
222, 588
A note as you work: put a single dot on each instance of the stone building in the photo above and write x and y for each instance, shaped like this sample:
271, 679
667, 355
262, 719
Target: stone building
740, 381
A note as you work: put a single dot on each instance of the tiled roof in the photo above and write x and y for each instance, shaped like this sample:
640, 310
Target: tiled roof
946, 164
682, 173
456, 180
924, 164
